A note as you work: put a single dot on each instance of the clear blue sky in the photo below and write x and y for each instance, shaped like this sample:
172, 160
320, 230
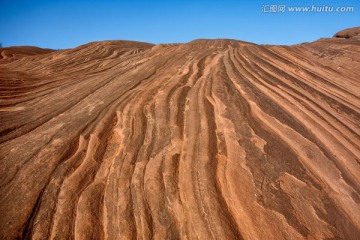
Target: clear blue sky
65, 24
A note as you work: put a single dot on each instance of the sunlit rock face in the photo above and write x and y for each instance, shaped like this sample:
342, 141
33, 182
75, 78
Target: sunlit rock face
349, 33
213, 139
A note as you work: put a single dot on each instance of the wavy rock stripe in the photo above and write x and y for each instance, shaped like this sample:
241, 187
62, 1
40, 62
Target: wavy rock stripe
213, 139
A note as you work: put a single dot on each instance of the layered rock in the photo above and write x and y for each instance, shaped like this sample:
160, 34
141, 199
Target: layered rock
213, 139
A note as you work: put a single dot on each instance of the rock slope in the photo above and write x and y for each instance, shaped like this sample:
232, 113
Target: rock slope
213, 139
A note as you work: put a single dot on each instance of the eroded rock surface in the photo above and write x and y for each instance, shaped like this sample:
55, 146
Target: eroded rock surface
213, 139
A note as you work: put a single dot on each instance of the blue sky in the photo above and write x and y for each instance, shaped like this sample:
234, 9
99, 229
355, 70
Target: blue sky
65, 24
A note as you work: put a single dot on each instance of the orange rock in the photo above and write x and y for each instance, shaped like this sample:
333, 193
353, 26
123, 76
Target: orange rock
213, 139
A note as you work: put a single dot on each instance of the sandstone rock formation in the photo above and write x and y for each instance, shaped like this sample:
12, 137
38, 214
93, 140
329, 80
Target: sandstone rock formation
17, 52
213, 139
349, 33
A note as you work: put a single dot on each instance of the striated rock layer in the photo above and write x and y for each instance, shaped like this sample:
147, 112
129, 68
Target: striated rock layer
213, 139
